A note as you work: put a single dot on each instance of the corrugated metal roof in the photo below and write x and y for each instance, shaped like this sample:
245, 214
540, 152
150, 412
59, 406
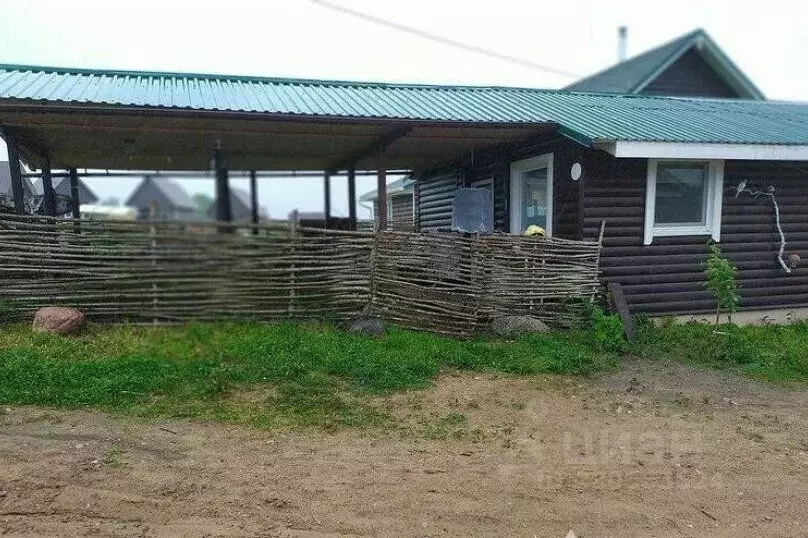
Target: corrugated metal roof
593, 116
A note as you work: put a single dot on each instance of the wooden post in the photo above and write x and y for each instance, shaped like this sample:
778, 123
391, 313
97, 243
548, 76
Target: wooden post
254, 201
48, 196
381, 198
352, 198
223, 212
17, 192
75, 207
327, 199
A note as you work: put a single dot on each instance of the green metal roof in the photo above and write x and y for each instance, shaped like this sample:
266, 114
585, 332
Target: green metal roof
400, 186
588, 117
634, 74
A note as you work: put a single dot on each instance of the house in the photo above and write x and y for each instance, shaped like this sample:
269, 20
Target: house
399, 204
163, 196
240, 207
6, 197
692, 65
61, 188
667, 175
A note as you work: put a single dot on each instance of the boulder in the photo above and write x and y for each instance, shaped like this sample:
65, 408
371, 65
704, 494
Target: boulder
367, 325
58, 319
515, 325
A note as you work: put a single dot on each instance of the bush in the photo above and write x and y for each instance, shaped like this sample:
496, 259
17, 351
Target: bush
607, 331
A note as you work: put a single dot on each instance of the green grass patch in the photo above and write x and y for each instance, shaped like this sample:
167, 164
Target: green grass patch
777, 353
279, 375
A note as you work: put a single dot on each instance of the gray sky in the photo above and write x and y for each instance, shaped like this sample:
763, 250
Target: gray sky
299, 38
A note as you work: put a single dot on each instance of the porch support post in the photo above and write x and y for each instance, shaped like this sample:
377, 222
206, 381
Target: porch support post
48, 196
327, 199
352, 197
17, 192
254, 200
223, 213
75, 208
381, 198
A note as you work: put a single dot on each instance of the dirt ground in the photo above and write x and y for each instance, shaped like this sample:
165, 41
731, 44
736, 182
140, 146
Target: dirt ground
649, 451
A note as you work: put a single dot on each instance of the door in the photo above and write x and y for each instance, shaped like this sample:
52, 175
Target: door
532, 194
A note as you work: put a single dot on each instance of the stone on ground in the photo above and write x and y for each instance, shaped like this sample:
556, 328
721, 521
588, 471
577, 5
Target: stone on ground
516, 325
58, 319
367, 325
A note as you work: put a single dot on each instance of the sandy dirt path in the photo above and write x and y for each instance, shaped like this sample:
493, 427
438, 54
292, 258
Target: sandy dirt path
648, 451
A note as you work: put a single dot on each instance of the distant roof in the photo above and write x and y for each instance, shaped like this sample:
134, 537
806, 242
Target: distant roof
399, 186
61, 185
5, 181
308, 215
633, 75
175, 194
240, 206
586, 117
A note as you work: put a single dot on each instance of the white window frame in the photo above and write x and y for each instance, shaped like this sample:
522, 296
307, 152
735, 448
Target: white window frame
712, 207
525, 165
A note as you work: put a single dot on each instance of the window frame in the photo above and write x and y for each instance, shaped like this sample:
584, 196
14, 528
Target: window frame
525, 165
712, 209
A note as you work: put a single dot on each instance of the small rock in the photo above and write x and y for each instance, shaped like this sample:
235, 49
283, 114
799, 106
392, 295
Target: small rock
510, 326
571, 534
58, 319
367, 325
3, 493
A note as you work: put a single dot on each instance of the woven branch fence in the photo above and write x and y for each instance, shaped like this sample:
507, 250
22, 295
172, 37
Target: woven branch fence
163, 272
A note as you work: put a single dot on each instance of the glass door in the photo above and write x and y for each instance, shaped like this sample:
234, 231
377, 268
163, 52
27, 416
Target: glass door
532, 194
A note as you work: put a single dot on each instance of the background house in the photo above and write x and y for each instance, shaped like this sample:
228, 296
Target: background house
170, 201
692, 65
399, 204
61, 188
240, 205
6, 198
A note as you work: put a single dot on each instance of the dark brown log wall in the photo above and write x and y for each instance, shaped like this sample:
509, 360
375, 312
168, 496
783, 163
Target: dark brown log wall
667, 277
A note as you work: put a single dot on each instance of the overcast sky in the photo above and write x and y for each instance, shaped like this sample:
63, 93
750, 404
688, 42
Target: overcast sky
301, 38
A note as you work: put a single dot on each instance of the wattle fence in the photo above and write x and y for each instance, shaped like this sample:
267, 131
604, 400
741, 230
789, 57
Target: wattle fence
163, 272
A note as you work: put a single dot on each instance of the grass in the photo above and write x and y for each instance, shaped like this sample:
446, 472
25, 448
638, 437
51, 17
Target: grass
281, 375
777, 353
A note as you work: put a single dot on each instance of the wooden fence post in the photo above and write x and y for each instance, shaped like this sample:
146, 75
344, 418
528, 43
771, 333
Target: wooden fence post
294, 222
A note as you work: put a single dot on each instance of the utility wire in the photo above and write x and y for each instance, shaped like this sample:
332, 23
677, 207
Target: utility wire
444, 40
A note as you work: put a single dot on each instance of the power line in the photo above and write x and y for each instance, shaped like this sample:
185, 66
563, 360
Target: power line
445, 40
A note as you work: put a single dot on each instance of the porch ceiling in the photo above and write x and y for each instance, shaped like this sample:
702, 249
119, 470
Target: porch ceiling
86, 137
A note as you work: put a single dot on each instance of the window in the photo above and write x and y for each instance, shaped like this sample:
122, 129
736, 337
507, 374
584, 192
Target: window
683, 198
532, 194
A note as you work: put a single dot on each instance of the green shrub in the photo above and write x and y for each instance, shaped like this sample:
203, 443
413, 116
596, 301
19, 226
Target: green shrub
721, 282
607, 331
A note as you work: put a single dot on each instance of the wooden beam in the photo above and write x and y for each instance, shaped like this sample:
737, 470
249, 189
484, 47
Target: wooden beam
75, 207
381, 199
618, 303
376, 148
352, 198
17, 191
327, 198
48, 195
254, 200
223, 212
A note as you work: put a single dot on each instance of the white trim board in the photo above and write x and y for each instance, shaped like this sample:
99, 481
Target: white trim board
680, 150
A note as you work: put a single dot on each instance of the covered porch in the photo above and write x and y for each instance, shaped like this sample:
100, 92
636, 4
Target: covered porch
61, 138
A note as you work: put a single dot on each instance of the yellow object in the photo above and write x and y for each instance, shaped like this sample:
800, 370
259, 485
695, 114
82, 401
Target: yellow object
534, 230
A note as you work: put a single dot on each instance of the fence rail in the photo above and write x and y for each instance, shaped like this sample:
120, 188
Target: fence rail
179, 271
